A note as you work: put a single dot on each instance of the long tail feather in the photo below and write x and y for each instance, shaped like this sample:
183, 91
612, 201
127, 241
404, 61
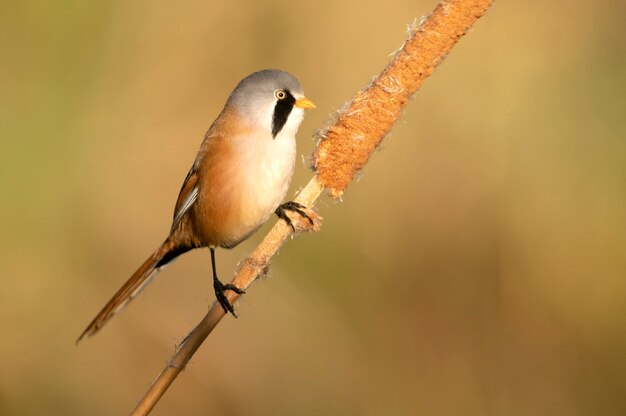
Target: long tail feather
163, 255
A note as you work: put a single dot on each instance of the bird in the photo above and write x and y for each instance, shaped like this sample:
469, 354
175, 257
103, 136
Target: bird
239, 177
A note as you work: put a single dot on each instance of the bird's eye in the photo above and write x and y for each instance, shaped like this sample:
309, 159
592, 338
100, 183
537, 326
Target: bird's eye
280, 94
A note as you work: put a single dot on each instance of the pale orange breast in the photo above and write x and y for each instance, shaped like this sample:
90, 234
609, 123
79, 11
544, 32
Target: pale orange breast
242, 178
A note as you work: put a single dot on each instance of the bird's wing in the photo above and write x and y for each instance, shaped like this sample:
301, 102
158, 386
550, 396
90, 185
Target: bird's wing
187, 196
189, 191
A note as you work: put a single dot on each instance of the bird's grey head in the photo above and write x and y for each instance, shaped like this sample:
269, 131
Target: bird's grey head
269, 98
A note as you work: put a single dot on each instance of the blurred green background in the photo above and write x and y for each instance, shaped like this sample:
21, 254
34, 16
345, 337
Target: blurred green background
477, 268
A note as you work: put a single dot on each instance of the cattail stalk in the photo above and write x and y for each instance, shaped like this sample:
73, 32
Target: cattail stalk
344, 148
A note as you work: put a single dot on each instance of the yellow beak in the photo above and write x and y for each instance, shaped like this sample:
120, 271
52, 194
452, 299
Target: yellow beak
304, 103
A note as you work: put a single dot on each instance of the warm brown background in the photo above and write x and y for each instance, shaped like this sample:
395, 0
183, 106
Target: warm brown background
478, 268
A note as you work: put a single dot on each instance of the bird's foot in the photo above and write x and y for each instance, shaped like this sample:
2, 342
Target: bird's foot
219, 288
294, 207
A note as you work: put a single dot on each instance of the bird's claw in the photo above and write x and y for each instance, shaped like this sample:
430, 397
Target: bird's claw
295, 207
220, 288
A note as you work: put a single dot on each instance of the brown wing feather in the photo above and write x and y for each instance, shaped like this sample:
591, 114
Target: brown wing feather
186, 197
189, 189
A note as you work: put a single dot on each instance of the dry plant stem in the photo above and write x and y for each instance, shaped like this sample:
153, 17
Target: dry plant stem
344, 148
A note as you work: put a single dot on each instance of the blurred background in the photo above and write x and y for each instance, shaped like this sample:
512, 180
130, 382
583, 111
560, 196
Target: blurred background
478, 267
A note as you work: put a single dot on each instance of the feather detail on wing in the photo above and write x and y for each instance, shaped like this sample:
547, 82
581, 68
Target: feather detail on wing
187, 197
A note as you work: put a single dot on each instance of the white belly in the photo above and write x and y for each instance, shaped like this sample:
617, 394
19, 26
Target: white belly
265, 170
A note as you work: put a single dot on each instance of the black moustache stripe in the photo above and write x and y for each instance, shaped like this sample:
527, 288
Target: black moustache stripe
281, 113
